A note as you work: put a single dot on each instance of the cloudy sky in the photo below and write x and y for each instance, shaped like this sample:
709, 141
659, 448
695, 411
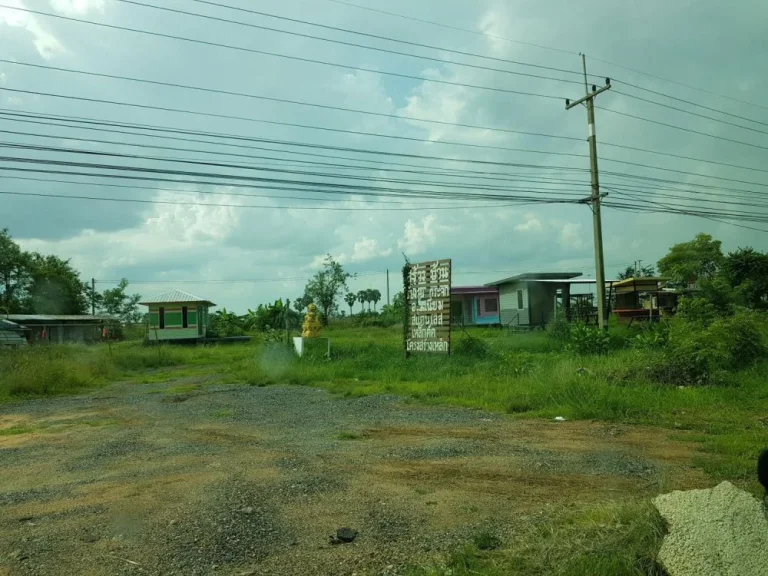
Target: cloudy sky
246, 255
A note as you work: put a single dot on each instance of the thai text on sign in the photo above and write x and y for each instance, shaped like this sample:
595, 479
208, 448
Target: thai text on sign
428, 298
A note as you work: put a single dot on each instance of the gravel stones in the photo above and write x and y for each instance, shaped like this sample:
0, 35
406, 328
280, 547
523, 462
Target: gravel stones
720, 531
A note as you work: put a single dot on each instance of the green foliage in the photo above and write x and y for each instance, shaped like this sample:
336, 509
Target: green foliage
746, 273
270, 317
588, 340
302, 303
350, 299
466, 345
559, 330
326, 286
223, 324
699, 311
117, 303
695, 261
637, 272
652, 336
14, 274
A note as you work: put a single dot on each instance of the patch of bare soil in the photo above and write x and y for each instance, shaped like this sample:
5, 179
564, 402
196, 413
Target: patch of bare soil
256, 480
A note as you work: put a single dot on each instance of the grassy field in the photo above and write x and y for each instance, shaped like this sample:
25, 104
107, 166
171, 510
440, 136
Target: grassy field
525, 375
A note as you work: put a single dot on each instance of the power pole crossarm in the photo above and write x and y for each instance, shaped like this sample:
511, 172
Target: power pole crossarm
589, 101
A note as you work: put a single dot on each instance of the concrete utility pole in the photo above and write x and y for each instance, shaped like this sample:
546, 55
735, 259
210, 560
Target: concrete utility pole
387, 286
594, 200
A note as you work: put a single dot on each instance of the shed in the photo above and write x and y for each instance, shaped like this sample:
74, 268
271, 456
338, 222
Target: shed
529, 300
177, 315
643, 299
61, 328
475, 305
11, 334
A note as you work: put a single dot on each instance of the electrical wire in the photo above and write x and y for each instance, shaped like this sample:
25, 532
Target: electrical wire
363, 46
275, 99
285, 56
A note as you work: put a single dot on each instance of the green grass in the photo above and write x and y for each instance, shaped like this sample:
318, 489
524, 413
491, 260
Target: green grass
617, 540
528, 375
15, 430
346, 435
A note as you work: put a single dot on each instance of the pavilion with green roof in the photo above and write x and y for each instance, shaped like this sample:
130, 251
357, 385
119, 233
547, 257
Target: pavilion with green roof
177, 315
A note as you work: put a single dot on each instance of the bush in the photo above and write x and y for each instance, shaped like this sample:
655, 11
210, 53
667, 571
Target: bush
697, 311
469, 346
652, 336
700, 353
586, 340
559, 330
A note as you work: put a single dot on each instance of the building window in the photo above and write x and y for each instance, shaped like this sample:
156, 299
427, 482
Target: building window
491, 305
184, 317
520, 300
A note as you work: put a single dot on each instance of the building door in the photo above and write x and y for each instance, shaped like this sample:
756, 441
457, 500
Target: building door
199, 320
161, 316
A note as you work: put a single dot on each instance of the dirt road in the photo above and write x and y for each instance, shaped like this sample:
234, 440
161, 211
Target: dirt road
188, 479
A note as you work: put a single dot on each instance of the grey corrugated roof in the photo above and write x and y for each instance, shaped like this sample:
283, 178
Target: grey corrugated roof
55, 317
175, 296
8, 325
11, 338
537, 276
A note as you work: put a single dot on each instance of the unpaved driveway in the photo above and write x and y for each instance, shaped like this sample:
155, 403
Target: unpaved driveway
245, 480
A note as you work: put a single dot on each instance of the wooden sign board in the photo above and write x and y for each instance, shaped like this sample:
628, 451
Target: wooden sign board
428, 301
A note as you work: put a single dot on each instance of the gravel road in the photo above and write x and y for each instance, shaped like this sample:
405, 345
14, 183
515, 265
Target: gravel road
246, 480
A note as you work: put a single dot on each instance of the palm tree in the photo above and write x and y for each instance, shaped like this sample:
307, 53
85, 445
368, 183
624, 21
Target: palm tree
350, 299
375, 296
362, 297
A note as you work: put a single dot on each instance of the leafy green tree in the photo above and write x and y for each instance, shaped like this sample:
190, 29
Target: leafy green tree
224, 323
394, 311
746, 274
55, 288
122, 306
375, 296
327, 285
15, 274
302, 303
697, 261
350, 299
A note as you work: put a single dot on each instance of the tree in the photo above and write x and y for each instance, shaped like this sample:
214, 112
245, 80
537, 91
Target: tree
394, 311
122, 306
302, 302
55, 288
350, 299
15, 276
375, 297
635, 272
697, 261
327, 285
362, 297
746, 274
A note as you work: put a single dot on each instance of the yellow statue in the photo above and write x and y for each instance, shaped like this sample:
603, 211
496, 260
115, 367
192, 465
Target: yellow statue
311, 326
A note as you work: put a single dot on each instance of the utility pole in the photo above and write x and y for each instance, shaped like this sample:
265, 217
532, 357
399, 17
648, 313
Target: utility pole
594, 201
93, 296
387, 286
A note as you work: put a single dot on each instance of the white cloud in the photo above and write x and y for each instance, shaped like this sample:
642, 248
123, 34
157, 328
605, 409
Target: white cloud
531, 224
46, 43
572, 236
363, 250
418, 237
75, 7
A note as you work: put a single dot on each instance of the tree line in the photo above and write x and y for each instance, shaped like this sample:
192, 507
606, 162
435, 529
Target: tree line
34, 283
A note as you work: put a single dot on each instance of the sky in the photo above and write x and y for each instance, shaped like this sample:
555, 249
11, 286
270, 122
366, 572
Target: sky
205, 239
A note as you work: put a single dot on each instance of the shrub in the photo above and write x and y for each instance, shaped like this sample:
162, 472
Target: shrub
651, 337
587, 340
469, 346
696, 310
559, 330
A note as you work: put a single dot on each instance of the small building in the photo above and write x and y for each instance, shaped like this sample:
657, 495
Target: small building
177, 315
475, 306
61, 328
11, 334
643, 299
530, 300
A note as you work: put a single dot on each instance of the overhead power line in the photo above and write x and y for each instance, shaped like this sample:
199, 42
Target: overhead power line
457, 28
363, 46
286, 56
684, 111
523, 201
675, 127
273, 99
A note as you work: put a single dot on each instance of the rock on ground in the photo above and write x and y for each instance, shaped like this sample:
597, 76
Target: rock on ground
720, 531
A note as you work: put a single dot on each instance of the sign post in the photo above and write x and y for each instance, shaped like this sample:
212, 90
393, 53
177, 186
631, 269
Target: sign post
428, 307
